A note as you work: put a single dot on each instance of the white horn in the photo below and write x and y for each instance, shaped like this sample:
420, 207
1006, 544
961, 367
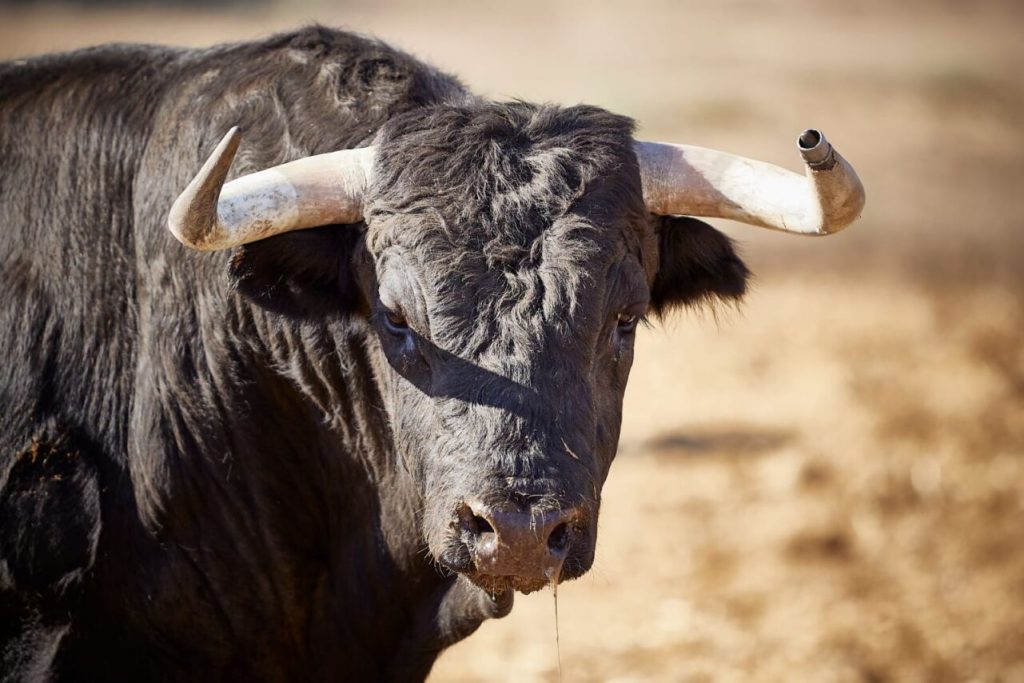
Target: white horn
694, 181
319, 190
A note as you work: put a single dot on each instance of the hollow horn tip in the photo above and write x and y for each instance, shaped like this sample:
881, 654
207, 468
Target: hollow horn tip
839, 192
193, 216
815, 149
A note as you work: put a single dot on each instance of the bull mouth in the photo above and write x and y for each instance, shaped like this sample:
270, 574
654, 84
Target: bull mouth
498, 586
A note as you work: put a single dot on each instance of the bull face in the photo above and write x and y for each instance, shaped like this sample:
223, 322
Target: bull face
504, 391
505, 256
507, 262
506, 259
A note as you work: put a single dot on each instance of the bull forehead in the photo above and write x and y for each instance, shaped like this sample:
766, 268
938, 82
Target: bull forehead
511, 214
497, 177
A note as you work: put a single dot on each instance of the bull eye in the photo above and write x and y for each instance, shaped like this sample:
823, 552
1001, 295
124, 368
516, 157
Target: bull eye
395, 322
627, 322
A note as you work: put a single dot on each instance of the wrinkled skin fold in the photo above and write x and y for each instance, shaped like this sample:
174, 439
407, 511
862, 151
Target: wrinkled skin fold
312, 456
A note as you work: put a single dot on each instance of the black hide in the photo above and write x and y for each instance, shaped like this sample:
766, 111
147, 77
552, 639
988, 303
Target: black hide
227, 466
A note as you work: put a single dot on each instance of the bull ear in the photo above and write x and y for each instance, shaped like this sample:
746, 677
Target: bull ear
698, 265
301, 274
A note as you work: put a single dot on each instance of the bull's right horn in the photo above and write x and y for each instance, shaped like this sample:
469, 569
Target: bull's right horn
694, 181
319, 190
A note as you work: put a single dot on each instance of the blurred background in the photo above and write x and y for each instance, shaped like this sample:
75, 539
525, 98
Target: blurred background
826, 484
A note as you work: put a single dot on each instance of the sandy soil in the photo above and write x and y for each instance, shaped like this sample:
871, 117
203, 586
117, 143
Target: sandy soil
827, 484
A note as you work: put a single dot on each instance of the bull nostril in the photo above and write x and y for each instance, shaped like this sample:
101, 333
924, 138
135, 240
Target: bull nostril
479, 525
476, 528
558, 540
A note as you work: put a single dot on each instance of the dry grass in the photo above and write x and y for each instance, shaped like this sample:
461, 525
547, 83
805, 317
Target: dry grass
827, 485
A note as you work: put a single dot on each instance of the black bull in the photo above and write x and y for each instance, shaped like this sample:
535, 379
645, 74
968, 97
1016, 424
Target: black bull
332, 453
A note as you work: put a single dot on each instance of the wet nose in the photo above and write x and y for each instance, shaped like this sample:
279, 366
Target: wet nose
528, 544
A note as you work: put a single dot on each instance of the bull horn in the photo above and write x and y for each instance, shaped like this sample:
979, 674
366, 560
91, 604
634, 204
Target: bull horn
694, 181
319, 190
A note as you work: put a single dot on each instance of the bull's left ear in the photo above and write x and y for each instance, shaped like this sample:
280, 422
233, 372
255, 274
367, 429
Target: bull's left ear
697, 265
302, 274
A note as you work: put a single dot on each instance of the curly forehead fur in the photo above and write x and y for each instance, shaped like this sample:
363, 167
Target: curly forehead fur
504, 191
508, 169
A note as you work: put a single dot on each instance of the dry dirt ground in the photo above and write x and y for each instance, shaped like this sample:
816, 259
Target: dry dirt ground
828, 483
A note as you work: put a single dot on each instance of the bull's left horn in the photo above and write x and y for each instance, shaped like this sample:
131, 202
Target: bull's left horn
319, 190
694, 181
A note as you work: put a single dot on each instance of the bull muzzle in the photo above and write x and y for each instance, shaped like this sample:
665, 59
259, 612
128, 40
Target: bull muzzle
508, 547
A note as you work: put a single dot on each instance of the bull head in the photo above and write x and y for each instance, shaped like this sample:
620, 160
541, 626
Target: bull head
504, 300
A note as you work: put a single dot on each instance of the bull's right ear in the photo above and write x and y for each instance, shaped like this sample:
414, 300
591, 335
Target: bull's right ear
697, 265
302, 274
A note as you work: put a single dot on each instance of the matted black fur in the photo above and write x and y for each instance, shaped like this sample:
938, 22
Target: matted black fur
239, 466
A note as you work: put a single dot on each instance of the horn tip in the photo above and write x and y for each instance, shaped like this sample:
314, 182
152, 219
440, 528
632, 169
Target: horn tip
810, 138
193, 216
816, 150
